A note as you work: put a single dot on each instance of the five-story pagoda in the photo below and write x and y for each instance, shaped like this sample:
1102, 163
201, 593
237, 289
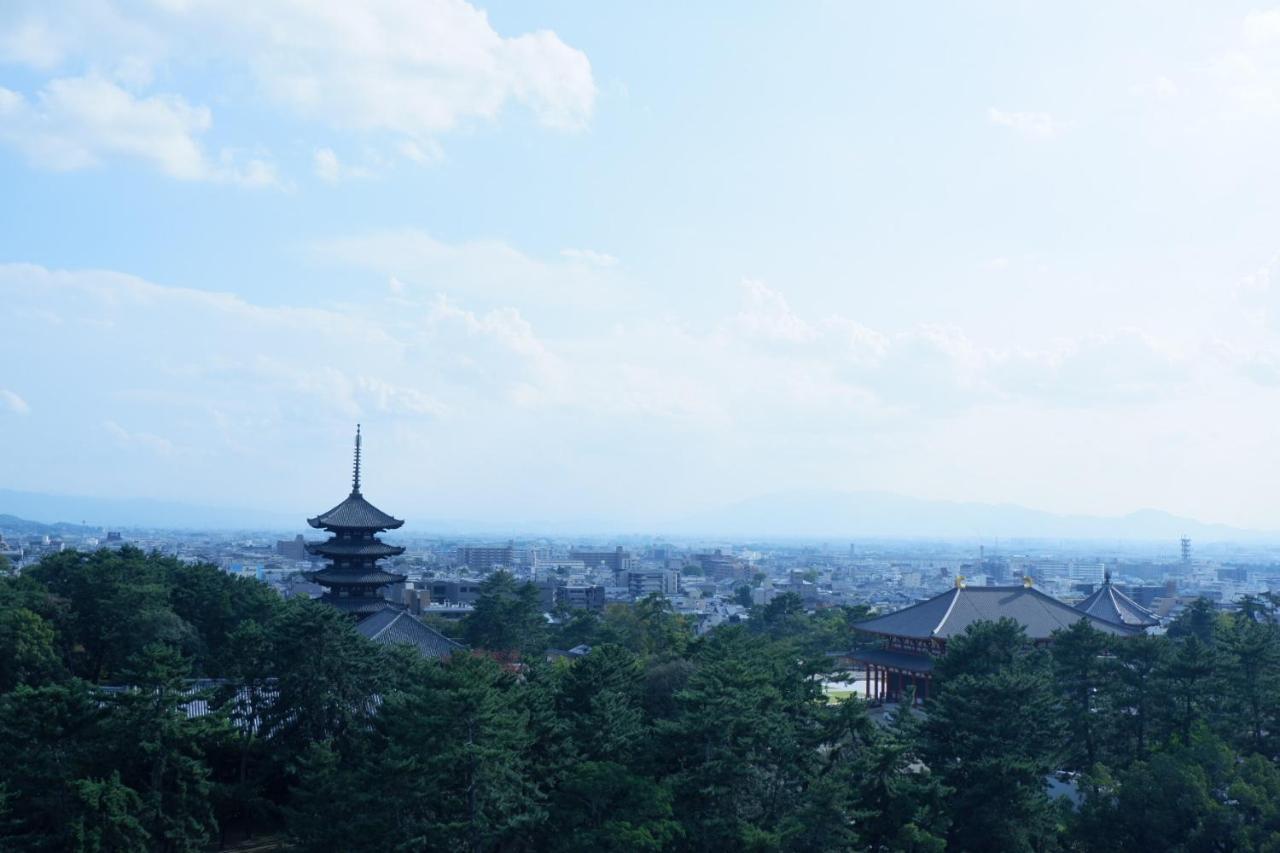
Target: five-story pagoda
353, 580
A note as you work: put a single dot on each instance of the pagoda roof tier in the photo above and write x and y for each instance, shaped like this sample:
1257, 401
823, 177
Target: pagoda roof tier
1111, 604
949, 614
375, 577
355, 513
349, 548
354, 605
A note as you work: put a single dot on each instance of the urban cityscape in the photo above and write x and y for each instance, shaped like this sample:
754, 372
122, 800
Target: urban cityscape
711, 581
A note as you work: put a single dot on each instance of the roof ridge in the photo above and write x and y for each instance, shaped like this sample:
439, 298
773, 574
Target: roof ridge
947, 615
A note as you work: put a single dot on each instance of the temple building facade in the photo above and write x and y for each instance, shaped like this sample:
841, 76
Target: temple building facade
353, 580
911, 638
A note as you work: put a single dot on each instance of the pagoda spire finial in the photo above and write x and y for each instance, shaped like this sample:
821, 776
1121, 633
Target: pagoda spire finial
355, 476
1106, 574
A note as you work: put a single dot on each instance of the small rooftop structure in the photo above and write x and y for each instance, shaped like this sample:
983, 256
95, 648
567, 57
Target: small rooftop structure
1111, 604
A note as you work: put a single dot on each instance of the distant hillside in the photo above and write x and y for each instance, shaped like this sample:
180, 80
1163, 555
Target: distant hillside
136, 512
795, 515
26, 527
883, 514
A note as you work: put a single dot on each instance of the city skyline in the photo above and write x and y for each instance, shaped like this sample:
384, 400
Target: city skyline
835, 250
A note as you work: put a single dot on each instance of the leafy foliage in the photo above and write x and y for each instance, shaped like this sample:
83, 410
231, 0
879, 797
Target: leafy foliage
656, 740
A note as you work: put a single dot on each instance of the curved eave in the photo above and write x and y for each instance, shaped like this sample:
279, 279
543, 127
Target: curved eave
341, 578
858, 627
340, 549
320, 523
357, 605
355, 513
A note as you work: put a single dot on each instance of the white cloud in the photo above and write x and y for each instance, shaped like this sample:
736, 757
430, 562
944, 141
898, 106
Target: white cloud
411, 70
453, 389
765, 314
30, 42
77, 122
327, 165
589, 256
490, 270
1262, 28
15, 404
1249, 71
1029, 125
144, 440
1160, 88
332, 170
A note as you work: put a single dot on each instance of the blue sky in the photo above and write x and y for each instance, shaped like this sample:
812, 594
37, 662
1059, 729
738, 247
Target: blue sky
572, 260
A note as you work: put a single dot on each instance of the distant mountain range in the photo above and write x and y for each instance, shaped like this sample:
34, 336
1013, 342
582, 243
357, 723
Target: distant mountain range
25, 527
794, 515
113, 513
886, 515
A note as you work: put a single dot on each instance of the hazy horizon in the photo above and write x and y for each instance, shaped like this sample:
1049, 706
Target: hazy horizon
812, 517
589, 262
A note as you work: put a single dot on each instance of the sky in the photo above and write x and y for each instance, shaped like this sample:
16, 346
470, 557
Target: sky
586, 260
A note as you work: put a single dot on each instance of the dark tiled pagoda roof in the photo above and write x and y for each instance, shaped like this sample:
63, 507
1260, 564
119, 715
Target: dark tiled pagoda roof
355, 513
354, 548
359, 606
949, 614
1111, 604
390, 626
360, 575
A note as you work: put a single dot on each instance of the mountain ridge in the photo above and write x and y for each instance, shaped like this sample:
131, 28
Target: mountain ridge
814, 514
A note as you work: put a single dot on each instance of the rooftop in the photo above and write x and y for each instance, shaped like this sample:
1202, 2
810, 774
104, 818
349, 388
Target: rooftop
950, 613
355, 513
391, 626
1111, 604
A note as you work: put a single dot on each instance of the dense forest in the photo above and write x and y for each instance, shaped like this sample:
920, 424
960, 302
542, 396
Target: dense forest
656, 740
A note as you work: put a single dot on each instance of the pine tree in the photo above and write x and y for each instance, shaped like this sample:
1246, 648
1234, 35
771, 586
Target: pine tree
160, 751
507, 617
1082, 675
991, 738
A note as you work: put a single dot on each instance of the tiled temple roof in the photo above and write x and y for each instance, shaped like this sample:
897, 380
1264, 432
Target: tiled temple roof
1111, 604
391, 626
949, 614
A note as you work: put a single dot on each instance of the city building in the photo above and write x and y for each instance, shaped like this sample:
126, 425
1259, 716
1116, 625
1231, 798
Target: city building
485, 558
453, 591
293, 549
646, 582
719, 566
580, 597
616, 561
